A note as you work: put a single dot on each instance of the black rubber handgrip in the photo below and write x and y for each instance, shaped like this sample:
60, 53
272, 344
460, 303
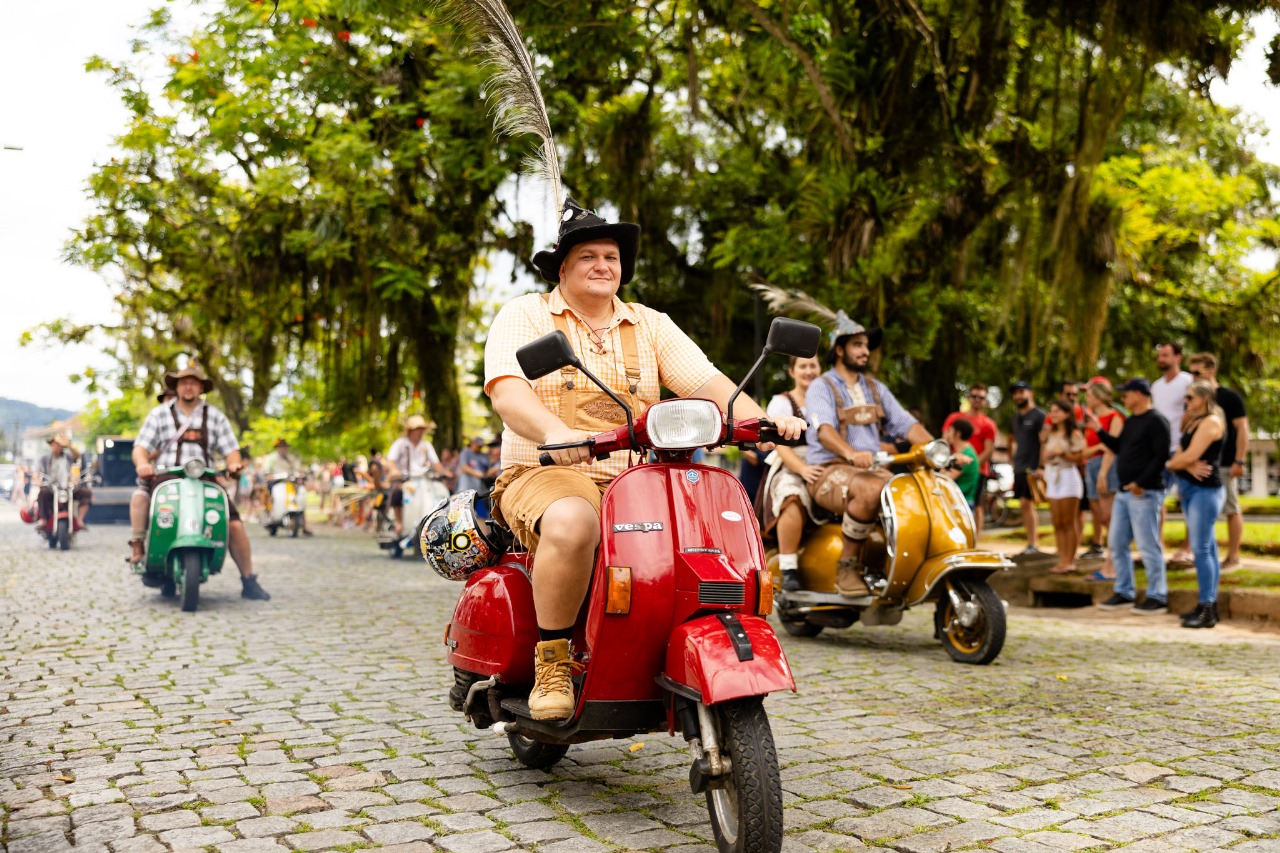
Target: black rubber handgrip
772, 435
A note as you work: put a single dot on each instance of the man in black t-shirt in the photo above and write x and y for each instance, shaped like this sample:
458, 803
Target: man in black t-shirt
1024, 437
1235, 447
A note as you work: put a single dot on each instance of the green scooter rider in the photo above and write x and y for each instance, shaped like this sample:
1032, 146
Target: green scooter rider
175, 432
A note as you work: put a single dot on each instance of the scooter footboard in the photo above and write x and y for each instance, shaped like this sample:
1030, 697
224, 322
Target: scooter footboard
727, 656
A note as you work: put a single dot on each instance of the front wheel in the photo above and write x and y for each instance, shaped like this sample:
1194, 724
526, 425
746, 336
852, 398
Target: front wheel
973, 632
64, 534
799, 627
746, 807
535, 754
190, 581
273, 529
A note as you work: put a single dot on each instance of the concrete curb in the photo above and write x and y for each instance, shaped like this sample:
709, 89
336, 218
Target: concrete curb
1030, 585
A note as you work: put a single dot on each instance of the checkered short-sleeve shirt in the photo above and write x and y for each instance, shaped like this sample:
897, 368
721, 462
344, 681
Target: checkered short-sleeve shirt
158, 433
668, 358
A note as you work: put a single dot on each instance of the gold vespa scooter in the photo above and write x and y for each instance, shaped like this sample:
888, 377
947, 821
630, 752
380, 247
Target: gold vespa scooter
923, 550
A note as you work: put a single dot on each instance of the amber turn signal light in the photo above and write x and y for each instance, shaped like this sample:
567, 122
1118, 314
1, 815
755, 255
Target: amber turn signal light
618, 599
764, 604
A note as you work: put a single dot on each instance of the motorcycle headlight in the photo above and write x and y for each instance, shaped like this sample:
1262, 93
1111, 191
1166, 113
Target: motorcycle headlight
683, 424
193, 468
937, 453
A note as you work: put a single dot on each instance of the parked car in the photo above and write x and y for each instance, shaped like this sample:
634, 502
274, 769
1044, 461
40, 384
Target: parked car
114, 480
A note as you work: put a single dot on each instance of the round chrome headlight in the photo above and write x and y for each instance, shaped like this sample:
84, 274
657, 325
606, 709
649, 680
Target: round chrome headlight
193, 468
937, 453
683, 424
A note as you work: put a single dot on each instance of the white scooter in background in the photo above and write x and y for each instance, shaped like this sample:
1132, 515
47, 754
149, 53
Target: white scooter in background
288, 505
422, 494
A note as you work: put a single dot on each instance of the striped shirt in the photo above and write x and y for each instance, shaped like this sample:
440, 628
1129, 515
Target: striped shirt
159, 433
668, 358
821, 408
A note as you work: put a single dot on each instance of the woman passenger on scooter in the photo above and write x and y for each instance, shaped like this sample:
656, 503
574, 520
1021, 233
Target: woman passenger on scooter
555, 510
785, 501
1060, 456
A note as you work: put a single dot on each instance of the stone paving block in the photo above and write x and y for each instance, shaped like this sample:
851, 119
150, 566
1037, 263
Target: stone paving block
169, 820
295, 805
1142, 772
477, 842
469, 803
578, 844
262, 827
387, 814
325, 839
613, 827
398, 833
952, 837
1034, 819
332, 819
252, 845
1057, 840
824, 841
1123, 828
138, 844
198, 836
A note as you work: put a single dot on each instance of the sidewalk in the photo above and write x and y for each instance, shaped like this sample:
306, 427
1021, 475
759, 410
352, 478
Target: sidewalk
1031, 585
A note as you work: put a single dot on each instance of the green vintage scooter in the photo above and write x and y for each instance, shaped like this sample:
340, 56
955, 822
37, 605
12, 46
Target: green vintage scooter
187, 539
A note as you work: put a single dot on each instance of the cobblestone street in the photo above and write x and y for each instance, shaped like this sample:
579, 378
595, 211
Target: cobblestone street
318, 721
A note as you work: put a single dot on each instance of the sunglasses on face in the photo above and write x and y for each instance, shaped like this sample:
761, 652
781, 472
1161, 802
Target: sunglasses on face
977, 396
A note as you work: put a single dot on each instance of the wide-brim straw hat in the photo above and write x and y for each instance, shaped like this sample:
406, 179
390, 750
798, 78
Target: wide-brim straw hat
578, 225
192, 371
418, 422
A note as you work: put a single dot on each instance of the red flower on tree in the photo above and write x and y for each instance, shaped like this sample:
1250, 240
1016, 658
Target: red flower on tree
344, 35
308, 22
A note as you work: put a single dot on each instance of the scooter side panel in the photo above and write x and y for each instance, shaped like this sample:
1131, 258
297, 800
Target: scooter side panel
911, 540
163, 530
494, 629
637, 530
701, 656
980, 563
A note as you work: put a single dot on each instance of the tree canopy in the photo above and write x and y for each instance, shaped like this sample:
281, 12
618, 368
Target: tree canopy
1012, 189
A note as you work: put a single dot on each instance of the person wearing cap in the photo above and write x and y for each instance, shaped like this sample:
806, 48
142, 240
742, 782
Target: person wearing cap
284, 465
173, 434
51, 466
166, 394
410, 456
555, 510
1141, 450
1025, 437
852, 414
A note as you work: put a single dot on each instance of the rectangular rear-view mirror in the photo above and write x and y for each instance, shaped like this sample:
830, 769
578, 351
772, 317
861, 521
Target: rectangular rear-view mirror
793, 337
546, 355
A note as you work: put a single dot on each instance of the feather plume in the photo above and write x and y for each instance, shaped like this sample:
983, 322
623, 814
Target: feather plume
513, 90
790, 302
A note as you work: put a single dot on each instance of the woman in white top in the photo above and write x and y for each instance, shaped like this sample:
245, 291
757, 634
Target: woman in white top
786, 496
1061, 455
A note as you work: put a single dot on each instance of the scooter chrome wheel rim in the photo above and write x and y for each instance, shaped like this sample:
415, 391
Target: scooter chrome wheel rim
725, 803
968, 640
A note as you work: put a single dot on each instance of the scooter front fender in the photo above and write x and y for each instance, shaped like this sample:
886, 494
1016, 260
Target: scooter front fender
934, 569
704, 657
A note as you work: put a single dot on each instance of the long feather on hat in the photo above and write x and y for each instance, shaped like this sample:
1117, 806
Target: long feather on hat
518, 107
789, 302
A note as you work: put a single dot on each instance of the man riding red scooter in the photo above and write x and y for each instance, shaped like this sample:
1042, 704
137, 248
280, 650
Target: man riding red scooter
555, 511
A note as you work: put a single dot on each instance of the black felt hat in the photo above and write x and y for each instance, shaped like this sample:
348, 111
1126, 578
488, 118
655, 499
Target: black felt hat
578, 225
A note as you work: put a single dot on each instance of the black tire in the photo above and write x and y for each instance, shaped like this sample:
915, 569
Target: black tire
799, 627
190, 586
168, 589
998, 512
273, 529
746, 811
295, 525
63, 536
52, 537
981, 642
535, 754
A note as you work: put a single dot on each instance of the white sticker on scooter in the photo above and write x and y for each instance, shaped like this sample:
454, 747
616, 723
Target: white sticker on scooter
211, 492
730, 515
212, 516
165, 520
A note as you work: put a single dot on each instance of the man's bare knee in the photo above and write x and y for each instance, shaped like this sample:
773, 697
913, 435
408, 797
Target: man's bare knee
570, 523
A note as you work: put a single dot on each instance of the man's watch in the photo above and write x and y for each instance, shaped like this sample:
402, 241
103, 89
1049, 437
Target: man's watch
1240, 462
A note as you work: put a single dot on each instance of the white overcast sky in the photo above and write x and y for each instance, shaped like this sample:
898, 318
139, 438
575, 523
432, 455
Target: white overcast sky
65, 119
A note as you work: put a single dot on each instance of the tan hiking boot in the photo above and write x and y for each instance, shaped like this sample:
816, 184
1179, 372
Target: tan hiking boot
136, 552
552, 696
849, 582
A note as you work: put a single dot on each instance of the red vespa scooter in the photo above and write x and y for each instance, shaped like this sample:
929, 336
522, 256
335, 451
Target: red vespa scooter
672, 634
